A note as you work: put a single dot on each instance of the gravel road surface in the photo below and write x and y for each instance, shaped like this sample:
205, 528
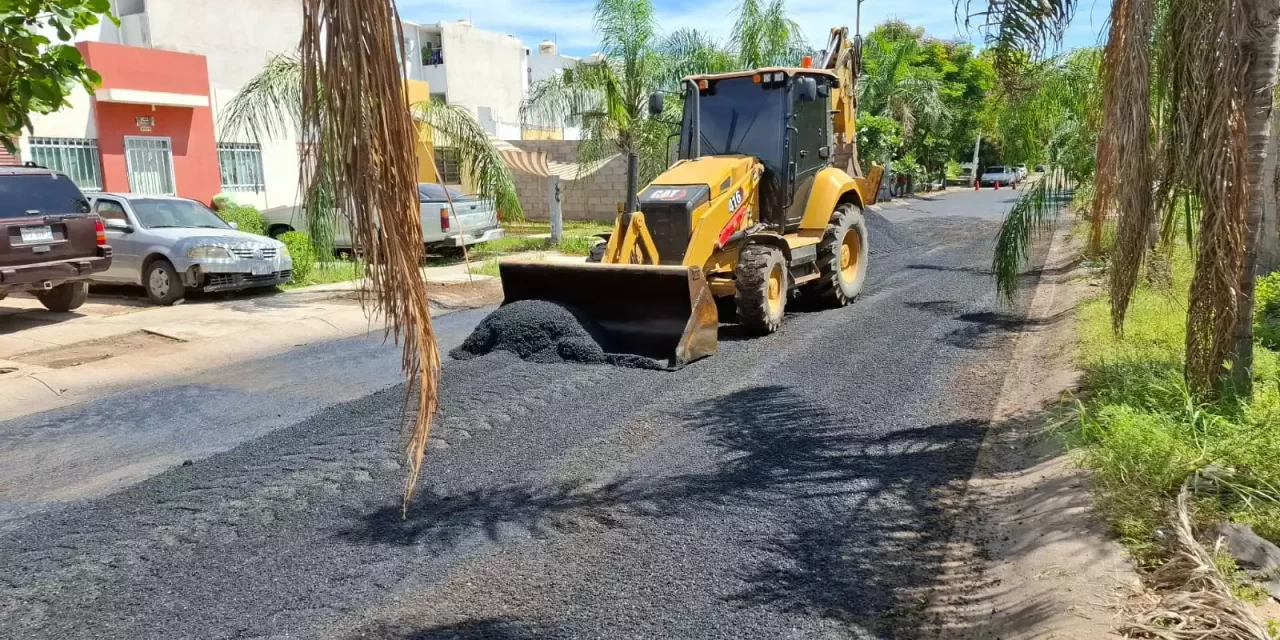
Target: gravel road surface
789, 487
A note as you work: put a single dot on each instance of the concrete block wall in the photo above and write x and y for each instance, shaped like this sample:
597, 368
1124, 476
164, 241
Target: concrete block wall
595, 197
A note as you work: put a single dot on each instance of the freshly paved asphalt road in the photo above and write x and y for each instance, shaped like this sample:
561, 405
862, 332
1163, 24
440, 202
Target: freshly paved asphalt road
789, 487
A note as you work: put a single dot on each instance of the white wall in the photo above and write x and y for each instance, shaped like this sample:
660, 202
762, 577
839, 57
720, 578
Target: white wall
76, 121
280, 162
237, 36
483, 69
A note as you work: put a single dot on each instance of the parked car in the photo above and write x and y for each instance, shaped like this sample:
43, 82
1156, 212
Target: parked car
967, 171
1021, 169
473, 221
1007, 176
169, 245
1040, 168
50, 241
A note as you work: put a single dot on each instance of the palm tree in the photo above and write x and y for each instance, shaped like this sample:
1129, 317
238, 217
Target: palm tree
891, 87
269, 106
359, 139
607, 95
763, 36
1211, 137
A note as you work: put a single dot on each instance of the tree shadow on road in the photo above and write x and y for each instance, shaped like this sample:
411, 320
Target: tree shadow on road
868, 527
484, 629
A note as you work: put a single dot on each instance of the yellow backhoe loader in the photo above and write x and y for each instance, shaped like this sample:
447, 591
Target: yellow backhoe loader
761, 204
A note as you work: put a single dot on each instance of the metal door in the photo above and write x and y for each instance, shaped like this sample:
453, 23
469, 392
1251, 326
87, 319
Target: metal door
150, 164
125, 261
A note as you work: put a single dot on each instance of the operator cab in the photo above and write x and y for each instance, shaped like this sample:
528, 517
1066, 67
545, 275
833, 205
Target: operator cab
780, 116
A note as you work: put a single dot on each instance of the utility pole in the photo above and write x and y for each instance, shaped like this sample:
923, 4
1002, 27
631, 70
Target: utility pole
556, 214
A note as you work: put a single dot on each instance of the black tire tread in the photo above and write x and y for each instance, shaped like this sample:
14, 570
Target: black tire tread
826, 289
176, 290
67, 296
751, 302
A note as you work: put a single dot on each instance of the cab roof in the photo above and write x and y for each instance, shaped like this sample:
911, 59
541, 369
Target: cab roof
790, 71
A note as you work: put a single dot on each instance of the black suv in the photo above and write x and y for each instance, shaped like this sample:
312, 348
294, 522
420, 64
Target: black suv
50, 243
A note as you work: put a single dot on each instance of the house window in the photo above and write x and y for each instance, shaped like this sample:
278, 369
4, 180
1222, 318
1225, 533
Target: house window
448, 165
241, 165
76, 157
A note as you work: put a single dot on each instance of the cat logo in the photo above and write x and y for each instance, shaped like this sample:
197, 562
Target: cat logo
668, 194
736, 200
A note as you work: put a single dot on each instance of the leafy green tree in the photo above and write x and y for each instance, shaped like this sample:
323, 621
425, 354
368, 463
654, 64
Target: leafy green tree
36, 73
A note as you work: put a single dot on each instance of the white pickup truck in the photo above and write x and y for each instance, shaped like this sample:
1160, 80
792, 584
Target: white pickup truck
1006, 176
472, 221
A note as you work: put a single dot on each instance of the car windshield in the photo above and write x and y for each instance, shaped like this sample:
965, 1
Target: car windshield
155, 213
435, 193
40, 194
995, 169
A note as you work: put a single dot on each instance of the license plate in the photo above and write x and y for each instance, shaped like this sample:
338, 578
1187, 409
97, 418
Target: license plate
37, 234
261, 269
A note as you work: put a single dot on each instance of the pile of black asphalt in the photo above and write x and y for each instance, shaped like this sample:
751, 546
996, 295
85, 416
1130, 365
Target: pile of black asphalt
885, 237
546, 332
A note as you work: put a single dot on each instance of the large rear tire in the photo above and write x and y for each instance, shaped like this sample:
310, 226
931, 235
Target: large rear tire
842, 258
762, 286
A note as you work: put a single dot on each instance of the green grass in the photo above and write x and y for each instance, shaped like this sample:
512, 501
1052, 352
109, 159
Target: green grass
571, 228
1142, 433
487, 268
329, 273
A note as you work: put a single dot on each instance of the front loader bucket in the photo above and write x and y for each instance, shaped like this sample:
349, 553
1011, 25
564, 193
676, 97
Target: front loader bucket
660, 312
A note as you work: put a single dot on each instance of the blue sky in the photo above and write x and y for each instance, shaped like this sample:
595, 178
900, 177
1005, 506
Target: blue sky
569, 21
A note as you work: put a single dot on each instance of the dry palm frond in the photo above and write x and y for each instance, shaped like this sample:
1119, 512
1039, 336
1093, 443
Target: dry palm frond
1199, 605
1206, 72
354, 108
1125, 137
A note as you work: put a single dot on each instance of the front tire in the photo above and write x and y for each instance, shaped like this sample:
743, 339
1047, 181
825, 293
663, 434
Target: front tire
64, 297
762, 286
164, 285
842, 258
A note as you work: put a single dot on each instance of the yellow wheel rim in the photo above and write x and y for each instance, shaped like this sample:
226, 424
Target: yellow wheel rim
776, 289
850, 254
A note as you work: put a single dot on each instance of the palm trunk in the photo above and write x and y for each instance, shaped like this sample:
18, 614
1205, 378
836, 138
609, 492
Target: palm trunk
1269, 232
1263, 52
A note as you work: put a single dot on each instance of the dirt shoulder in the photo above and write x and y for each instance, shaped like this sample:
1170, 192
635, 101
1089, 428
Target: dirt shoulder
1028, 559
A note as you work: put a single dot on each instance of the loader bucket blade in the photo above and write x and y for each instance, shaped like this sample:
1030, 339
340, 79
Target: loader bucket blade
660, 312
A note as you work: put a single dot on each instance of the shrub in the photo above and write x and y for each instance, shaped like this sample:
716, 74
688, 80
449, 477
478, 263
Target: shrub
1266, 310
223, 201
304, 256
246, 217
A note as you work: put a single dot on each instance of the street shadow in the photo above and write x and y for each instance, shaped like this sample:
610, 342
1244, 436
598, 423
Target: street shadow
868, 524
983, 329
11, 323
1029, 273
485, 629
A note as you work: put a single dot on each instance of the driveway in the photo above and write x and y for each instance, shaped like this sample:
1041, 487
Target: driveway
792, 486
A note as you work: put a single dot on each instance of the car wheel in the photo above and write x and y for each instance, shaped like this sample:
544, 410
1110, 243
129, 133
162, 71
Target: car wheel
64, 297
164, 285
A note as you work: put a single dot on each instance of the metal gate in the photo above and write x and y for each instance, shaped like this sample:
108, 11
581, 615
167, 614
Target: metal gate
150, 164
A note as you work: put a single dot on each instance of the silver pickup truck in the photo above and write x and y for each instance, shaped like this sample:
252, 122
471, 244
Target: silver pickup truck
472, 221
